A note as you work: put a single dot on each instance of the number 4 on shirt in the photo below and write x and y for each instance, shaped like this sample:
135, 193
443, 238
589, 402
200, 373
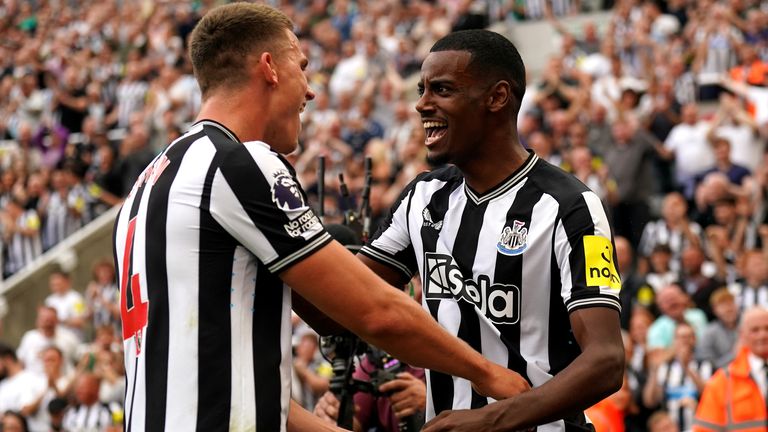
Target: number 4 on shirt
132, 310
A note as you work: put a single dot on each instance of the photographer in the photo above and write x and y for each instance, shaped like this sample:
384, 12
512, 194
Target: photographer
402, 397
389, 402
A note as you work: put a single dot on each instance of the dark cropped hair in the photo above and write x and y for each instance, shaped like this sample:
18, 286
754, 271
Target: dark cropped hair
222, 43
7, 351
493, 56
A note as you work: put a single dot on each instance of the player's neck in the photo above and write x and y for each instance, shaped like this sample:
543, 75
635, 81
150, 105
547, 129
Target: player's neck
493, 165
237, 113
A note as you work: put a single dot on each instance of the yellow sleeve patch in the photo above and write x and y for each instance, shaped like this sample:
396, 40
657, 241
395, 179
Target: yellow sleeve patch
600, 269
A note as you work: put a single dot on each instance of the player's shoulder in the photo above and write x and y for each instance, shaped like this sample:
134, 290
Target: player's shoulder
564, 187
447, 174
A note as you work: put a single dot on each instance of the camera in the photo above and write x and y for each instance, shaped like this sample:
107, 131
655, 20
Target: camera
380, 367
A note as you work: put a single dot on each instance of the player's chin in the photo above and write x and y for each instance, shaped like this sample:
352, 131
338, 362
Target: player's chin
287, 146
437, 158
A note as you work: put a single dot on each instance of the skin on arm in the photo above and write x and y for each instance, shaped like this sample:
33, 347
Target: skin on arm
595, 374
392, 321
322, 323
301, 420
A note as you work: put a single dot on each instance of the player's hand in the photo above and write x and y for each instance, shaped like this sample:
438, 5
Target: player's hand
458, 421
327, 408
501, 383
408, 394
463, 421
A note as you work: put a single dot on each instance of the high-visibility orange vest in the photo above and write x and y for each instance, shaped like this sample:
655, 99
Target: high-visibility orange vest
732, 401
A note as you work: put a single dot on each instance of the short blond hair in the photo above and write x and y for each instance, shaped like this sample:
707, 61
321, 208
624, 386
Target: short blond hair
223, 42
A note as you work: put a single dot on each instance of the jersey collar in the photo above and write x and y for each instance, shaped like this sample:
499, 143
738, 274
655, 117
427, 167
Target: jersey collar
516, 177
206, 122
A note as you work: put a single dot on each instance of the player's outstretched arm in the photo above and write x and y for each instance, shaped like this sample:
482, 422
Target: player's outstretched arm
351, 294
301, 420
323, 324
595, 374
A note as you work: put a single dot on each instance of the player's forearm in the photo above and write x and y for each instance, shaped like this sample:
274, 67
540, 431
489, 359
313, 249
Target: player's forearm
405, 330
352, 295
592, 377
300, 420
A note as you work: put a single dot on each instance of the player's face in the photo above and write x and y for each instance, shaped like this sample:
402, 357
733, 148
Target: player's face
295, 92
451, 107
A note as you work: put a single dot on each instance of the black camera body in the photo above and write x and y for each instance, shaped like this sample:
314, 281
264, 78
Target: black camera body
343, 349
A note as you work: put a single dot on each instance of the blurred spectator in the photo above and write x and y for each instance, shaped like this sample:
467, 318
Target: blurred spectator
723, 164
687, 144
470, 14
751, 69
634, 291
660, 272
675, 307
58, 382
740, 130
598, 180
135, 154
675, 384
640, 321
715, 188
661, 421
56, 410
103, 296
715, 42
87, 413
752, 289
69, 100
131, 94
69, 304
313, 371
720, 336
47, 332
629, 161
674, 230
14, 422
18, 386
58, 211
695, 283
734, 399
21, 233
635, 413
608, 414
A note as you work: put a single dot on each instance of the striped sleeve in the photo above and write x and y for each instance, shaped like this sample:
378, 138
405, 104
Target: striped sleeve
391, 244
585, 256
256, 198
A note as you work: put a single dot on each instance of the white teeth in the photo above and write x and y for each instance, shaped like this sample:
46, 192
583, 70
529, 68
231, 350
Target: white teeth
433, 124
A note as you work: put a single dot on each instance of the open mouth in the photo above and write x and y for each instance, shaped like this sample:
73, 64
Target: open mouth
434, 131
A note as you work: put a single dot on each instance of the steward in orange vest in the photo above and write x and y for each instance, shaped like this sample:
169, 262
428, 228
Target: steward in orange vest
732, 399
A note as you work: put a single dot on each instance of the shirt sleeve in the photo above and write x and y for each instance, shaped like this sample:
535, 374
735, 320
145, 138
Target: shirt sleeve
585, 256
256, 198
391, 244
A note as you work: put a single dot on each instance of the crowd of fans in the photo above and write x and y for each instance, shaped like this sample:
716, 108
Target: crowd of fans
663, 113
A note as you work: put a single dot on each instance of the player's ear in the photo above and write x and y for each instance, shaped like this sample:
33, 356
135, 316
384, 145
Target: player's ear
267, 68
499, 96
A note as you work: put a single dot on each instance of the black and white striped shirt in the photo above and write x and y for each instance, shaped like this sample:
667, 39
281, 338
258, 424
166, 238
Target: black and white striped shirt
679, 389
60, 222
88, 418
748, 296
502, 270
206, 320
23, 249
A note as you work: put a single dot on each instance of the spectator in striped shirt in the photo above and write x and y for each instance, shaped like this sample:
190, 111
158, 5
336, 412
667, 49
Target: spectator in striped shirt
88, 413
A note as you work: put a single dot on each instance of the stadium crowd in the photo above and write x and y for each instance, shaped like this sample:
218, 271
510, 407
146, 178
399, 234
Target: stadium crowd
663, 113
